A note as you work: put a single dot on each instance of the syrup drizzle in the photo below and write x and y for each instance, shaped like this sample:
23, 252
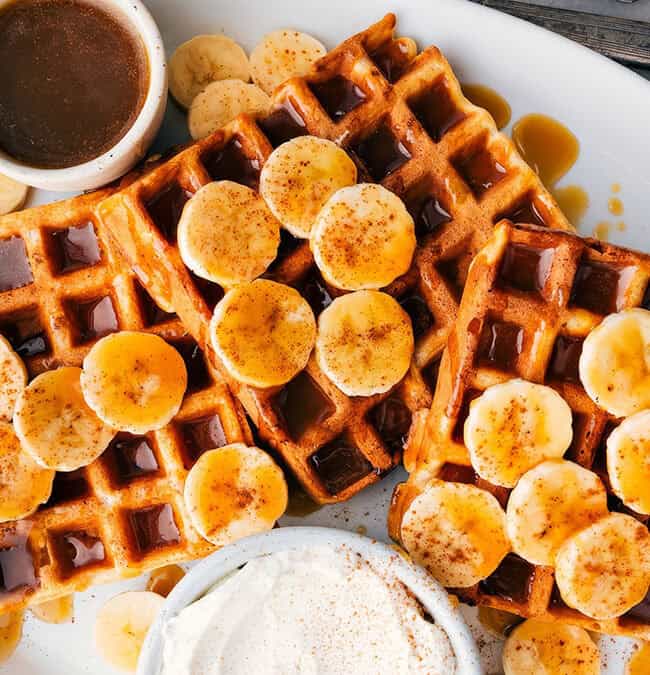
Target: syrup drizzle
491, 100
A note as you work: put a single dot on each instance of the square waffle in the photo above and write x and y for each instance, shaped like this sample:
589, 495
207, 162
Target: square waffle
407, 125
62, 286
532, 297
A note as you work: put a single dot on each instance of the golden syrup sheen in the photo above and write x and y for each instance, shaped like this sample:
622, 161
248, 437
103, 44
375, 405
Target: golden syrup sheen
574, 202
164, 579
491, 100
59, 610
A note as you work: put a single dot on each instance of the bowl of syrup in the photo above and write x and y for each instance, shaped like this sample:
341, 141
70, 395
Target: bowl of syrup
83, 88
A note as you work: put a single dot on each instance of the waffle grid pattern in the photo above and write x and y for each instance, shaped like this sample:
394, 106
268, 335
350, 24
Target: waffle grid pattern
125, 512
407, 125
536, 294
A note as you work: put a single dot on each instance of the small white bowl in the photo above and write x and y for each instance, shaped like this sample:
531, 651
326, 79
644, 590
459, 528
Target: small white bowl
133, 145
202, 578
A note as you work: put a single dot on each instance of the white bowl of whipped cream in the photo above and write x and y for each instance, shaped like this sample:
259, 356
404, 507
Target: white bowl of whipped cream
309, 601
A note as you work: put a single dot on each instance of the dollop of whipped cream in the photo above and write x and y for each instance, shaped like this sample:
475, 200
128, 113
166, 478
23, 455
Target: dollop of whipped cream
320, 611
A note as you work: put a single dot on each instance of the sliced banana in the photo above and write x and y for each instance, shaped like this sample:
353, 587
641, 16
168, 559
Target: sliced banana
202, 60
363, 238
122, 624
263, 332
615, 363
456, 531
604, 569
56, 426
227, 234
549, 504
628, 461
364, 343
58, 610
535, 647
134, 381
281, 55
24, 485
233, 492
222, 101
300, 176
13, 379
11, 632
514, 426
12, 194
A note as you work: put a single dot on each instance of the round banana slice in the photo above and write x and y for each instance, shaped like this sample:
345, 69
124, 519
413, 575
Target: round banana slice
604, 570
24, 485
227, 234
549, 504
363, 238
222, 101
233, 492
56, 426
628, 461
550, 649
364, 343
122, 625
456, 531
134, 381
11, 632
263, 332
202, 60
514, 426
13, 379
615, 363
300, 176
281, 55
12, 194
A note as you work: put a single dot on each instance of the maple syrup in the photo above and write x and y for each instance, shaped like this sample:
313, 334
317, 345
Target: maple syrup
59, 610
338, 96
639, 663
573, 201
11, 630
602, 230
497, 621
163, 580
301, 504
154, 527
491, 100
615, 206
339, 465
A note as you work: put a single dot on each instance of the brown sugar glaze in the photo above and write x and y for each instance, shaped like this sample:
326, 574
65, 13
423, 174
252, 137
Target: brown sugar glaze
73, 80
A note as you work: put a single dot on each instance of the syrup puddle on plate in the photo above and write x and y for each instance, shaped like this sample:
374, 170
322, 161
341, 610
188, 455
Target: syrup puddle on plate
163, 580
491, 100
551, 150
639, 663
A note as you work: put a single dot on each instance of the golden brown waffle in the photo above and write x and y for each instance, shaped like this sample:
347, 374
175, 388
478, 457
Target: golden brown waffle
532, 296
407, 125
62, 286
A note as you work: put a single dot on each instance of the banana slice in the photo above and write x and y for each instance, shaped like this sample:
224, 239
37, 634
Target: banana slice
514, 426
300, 176
13, 379
202, 60
263, 332
122, 624
233, 492
281, 55
364, 343
550, 649
11, 631
549, 504
615, 363
59, 610
134, 381
56, 426
456, 531
604, 569
628, 461
227, 234
12, 194
220, 102
23, 483
363, 238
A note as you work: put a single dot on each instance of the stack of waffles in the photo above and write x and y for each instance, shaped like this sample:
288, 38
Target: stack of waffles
533, 295
404, 121
63, 285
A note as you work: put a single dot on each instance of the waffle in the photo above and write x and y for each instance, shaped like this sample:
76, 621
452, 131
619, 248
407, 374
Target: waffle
407, 125
62, 286
532, 297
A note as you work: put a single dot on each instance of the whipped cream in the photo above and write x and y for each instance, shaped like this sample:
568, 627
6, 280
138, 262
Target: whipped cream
320, 611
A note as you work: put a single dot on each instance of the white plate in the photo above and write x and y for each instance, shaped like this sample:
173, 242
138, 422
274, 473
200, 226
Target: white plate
606, 106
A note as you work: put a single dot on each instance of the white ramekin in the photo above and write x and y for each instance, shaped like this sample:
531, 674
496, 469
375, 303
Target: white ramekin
203, 577
133, 145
